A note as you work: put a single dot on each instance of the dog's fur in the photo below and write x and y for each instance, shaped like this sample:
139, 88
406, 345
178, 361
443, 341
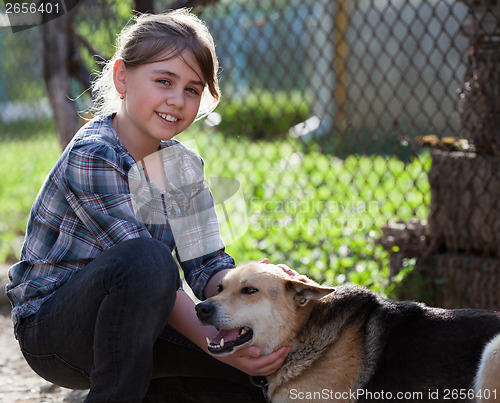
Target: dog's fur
349, 345
488, 375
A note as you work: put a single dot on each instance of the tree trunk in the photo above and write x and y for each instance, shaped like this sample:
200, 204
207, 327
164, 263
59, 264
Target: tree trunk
144, 6
57, 48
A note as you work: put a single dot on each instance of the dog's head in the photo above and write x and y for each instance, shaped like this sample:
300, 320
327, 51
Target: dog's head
258, 304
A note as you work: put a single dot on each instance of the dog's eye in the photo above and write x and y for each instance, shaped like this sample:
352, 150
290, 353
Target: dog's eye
249, 290
219, 288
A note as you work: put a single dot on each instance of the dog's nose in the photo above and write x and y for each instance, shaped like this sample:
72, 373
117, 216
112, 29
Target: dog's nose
204, 310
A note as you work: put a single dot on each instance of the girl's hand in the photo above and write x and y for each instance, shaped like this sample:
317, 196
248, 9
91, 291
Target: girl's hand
249, 360
283, 267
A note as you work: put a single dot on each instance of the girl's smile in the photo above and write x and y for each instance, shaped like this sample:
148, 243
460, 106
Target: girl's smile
160, 100
169, 118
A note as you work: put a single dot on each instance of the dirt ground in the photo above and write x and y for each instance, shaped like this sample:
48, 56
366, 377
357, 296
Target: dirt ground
18, 383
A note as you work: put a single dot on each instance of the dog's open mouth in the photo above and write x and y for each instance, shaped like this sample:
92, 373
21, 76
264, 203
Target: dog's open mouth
227, 339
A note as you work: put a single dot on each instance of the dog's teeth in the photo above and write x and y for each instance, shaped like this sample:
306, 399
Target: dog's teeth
208, 341
222, 343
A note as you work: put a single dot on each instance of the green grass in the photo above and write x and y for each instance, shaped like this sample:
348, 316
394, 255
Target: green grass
313, 211
23, 168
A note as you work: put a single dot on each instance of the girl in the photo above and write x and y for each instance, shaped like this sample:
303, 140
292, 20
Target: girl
96, 289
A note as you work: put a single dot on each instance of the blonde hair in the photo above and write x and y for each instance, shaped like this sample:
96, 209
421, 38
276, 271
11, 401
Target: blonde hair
157, 37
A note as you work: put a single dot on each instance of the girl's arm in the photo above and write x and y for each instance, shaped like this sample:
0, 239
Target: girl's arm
247, 359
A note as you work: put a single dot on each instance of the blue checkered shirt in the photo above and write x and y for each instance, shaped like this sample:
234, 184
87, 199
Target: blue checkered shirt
85, 207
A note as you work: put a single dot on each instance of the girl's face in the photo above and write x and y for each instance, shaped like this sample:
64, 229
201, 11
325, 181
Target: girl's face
161, 99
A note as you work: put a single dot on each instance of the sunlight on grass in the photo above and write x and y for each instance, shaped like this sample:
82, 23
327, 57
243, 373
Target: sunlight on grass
316, 212
23, 168
312, 211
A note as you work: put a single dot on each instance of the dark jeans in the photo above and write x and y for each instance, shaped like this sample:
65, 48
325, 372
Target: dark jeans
106, 329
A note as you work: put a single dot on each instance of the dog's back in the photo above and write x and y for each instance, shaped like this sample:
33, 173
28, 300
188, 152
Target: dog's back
429, 351
425, 354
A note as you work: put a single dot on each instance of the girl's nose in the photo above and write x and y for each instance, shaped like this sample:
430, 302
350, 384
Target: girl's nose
175, 98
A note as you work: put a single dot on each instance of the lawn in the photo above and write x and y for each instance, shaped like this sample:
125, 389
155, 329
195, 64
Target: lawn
316, 212
23, 168
310, 210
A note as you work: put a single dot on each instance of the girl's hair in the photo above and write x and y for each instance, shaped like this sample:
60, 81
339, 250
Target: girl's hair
154, 38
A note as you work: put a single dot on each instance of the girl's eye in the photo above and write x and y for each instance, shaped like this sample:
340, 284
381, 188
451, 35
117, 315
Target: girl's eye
193, 91
163, 81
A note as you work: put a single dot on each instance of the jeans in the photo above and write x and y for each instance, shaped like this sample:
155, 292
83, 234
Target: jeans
106, 330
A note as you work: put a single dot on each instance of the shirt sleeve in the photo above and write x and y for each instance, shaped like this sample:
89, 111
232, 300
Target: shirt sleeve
97, 190
199, 271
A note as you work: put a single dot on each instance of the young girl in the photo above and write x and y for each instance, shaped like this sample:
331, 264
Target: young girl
96, 292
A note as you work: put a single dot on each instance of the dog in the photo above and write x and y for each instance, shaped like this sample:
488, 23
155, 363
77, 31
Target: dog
350, 345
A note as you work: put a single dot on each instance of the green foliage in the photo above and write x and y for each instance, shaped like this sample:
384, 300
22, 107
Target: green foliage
313, 211
26, 130
23, 168
262, 114
101, 32
17, 67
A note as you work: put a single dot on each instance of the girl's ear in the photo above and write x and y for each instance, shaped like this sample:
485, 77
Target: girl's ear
119, 75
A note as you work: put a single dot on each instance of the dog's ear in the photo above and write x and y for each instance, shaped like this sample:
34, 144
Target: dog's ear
306, 290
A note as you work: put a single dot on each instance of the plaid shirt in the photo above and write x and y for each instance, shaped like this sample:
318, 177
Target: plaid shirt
85, 206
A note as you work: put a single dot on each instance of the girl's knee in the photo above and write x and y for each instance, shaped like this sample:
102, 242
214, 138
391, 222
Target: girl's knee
148, 262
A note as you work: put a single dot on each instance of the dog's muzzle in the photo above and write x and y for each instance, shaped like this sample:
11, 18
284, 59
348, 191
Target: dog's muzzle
227, 338
204, 310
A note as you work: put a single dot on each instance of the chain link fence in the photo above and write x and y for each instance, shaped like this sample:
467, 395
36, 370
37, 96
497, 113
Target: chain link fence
339, 121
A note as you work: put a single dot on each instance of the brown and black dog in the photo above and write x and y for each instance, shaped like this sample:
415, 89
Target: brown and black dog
350, 345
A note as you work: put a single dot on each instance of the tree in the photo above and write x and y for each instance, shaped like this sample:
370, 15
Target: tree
60, 59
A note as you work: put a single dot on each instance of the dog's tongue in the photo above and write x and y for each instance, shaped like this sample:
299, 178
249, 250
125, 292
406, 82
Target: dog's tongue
227, 335
227, 339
